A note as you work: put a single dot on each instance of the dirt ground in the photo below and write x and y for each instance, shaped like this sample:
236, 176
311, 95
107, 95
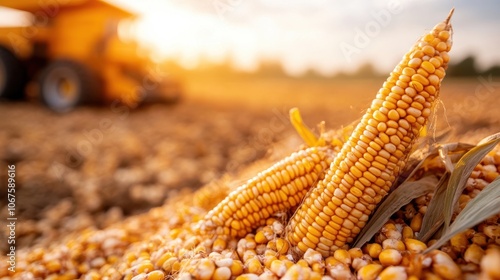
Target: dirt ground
96, 165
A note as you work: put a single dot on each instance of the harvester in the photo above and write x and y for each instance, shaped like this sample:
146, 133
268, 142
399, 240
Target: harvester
73, 53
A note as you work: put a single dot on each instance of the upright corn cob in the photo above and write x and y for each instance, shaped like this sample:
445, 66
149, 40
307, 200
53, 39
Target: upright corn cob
278, 188
368, 164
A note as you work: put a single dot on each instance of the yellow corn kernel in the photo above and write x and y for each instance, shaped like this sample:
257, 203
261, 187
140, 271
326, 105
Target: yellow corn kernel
254, 266
302, 263
493, 232
156, 275
282, 246
318, 268
311, 256
222, 273
355, 253
459, 242
407, 232
236, 268
393, 273
444, 266
171, 265
145, 267
390, 257
479, 239
370, 271
297, 272
278, 188
246, 276
473, 254
416, 222
342, 256
269, 258
393, 244
414, 245
327, 220
489, 264
340, 271
278, 268
260, 237
222, 261
374, 250
53, 266
358, 263
219, 245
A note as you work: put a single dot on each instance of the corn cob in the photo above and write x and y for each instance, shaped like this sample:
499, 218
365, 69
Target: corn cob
278, 188
368, 164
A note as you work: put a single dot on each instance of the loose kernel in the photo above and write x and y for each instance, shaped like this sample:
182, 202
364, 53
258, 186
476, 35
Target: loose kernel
489, 263
156, 275
370, 271
444, 266
459, 242
342, 256
355, 253
473, 254
374, 249
390, 257
236, 268
407, 232
416, 222
414, 245
393, 273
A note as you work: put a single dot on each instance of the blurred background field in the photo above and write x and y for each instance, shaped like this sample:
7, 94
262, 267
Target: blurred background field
94, 165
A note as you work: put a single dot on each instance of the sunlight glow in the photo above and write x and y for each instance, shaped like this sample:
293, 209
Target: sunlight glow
303, 35
10, 17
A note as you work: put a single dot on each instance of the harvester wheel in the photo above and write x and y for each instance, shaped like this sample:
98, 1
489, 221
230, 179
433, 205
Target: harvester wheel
12, 76
65, 84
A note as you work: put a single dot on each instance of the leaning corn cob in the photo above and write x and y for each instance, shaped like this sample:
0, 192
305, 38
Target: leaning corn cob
368, 164
278, 188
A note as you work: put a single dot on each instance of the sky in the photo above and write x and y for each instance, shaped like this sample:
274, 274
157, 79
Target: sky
324, 35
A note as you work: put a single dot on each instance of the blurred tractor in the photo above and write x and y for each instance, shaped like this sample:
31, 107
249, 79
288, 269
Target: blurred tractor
72, 54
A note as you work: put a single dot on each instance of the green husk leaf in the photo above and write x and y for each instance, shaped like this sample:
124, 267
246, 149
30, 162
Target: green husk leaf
403, 195
462, 172
483, 206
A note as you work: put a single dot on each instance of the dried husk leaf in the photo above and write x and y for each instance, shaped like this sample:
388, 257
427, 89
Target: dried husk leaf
433, 218
403, 195
485, 205
462, 172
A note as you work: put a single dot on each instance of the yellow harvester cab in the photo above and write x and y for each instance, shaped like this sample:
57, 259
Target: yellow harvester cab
72, 54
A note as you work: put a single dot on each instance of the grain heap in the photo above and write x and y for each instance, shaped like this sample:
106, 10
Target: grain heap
250, 234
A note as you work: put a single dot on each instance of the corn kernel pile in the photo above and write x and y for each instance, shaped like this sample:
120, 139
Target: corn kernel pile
164, 243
